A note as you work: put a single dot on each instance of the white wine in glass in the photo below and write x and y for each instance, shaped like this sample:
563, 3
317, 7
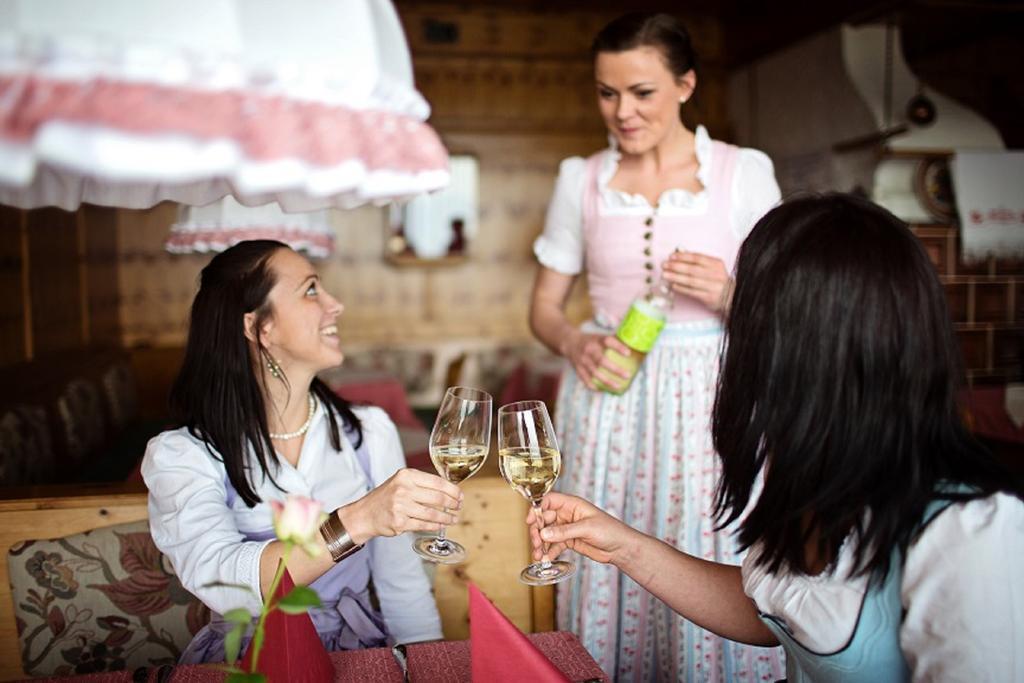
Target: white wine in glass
529, 460
459, 444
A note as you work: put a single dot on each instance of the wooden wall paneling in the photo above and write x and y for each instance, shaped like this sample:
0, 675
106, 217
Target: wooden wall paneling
155, 370
974, 347
530, 31
15, 331
956, 298
1008, 352
101, 274
156, 287
83, 274
940, 244
382, 303
512, 31
990, 302
1018, 298
54, 281
708, 107
502, 95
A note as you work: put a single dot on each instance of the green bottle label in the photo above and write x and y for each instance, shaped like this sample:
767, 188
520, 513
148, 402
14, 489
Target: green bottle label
639, 329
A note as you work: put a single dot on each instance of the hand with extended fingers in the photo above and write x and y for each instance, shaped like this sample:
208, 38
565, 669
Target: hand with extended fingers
574, 524
410, 500
701, 277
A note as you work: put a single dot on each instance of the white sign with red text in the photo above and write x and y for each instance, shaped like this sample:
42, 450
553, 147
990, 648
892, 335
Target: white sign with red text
989, 189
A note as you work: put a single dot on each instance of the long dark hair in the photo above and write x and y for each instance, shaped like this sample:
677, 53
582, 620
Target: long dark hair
217, 394
642, 29
838, 383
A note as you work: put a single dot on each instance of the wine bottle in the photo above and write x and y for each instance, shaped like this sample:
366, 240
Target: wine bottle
638, 330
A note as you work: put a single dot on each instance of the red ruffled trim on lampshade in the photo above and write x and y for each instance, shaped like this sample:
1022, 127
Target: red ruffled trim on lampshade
318, 245
264, 127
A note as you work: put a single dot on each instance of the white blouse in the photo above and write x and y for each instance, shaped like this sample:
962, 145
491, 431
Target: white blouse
962, 592
560, 246
192, 524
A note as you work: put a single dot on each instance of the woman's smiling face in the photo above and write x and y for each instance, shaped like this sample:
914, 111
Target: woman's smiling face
302, 332
639, 97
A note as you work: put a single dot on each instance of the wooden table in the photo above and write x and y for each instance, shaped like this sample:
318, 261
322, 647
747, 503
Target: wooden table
443, 662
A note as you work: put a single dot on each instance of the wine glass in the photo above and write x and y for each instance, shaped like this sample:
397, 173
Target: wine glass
458, 447
530, 461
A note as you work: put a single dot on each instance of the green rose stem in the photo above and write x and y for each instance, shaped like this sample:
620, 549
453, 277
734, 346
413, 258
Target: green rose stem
295, 523
268, 606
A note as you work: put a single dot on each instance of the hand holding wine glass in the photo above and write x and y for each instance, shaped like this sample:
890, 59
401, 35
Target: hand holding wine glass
530, 462
459, 444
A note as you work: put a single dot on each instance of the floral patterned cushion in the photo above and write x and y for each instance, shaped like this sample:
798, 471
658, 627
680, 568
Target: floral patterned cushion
102, 600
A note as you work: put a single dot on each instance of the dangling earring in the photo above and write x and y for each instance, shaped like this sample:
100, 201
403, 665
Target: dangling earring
274, 367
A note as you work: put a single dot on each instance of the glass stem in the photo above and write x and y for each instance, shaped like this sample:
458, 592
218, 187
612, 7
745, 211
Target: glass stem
544, 561
441, 541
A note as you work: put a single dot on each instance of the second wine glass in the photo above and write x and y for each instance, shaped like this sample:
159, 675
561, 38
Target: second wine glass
459, 444
530, 462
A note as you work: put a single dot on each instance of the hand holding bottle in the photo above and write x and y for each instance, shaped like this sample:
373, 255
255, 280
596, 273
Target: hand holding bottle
700, 277
637, 332
588, 354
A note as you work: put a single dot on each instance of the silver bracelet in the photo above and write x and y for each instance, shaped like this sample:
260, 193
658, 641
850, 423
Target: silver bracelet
339, 544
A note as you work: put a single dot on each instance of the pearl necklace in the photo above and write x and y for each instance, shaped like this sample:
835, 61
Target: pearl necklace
301, 430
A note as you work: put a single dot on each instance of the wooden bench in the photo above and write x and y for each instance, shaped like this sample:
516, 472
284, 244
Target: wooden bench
492, 529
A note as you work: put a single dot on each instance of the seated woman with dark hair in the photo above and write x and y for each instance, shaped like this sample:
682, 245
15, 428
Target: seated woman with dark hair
885, 543
256, 425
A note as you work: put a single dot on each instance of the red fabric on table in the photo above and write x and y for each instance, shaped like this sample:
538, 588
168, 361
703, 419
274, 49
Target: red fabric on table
292, 650
441, 662
495, 643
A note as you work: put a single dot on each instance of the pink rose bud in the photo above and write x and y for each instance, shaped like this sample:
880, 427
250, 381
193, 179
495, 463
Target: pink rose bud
298, 521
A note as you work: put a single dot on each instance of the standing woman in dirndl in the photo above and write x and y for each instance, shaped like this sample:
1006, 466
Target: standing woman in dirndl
661, 202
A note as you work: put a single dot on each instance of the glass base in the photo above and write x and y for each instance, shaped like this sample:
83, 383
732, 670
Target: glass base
436, 550
537, 574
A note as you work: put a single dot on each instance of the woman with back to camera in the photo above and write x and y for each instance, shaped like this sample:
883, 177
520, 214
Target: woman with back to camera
662, 203
885, 544
256, 425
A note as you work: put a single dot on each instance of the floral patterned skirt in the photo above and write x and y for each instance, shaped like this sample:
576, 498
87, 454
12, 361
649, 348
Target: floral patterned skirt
647, 458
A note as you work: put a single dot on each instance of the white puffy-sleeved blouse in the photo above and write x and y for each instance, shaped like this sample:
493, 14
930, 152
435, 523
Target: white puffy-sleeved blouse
560, 246
202, 536
962, 595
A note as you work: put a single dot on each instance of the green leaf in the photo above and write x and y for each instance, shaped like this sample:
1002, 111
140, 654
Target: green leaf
238, 616
298, 600
245, 678
233, 643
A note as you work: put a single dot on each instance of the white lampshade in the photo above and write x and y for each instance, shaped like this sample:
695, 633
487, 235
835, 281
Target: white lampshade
307, 103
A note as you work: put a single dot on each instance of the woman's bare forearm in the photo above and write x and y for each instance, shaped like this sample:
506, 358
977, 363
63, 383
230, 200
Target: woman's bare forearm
709, 594
551, 327
547, 310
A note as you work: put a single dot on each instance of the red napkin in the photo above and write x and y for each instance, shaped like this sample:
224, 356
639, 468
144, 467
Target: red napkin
499, 651
292, 651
